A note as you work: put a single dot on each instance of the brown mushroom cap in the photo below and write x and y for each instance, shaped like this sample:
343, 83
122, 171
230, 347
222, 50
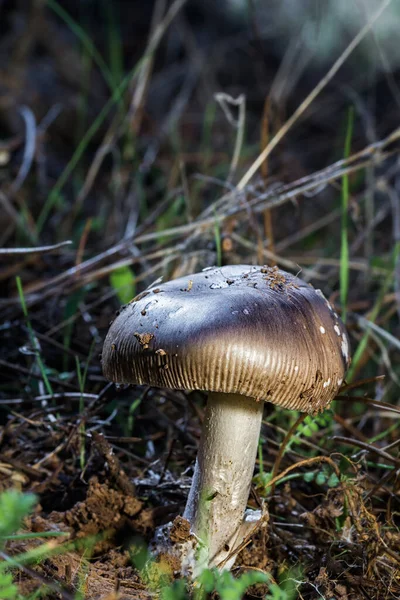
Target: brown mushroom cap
254, 331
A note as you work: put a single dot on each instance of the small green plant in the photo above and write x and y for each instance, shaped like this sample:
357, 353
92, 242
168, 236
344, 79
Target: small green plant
310, 426
175, 591
14, 507
322, 477
8, 589
228, 587
225, 584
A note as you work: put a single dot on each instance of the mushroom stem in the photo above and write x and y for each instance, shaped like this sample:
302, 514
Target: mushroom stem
223, 472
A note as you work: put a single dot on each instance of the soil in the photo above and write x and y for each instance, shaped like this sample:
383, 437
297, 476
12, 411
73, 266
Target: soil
109, 529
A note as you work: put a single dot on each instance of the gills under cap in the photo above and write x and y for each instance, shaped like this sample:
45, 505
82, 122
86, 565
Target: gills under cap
255, 331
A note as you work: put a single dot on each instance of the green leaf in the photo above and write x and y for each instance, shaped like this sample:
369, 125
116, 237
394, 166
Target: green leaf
333, 480
276, 593
8, 591
176, 591
14, 507
230, 588
207, 580
123, 282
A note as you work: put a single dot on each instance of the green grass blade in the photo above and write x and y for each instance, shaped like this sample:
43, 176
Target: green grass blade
344, 251
32, 337
32, 536
374, 314
85, 41
62, 180
114, 41
217, 237
82, 382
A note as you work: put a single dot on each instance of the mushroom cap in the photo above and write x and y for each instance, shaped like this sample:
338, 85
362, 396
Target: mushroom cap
249, 330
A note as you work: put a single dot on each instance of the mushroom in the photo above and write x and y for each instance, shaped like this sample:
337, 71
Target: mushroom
245, 334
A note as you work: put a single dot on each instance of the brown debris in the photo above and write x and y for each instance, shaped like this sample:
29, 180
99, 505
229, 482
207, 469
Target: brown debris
117, 472
144, 339
139, 297
180, 530
110, 577
104, 508
189, 286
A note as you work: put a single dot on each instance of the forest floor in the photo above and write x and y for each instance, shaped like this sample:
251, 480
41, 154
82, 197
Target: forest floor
115, 171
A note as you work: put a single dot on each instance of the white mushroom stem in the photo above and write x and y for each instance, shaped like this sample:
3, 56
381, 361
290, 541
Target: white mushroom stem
223, 472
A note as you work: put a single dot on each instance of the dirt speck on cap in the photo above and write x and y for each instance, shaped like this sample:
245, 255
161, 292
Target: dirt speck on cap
275, 279
144, 339
139, 297
189, 286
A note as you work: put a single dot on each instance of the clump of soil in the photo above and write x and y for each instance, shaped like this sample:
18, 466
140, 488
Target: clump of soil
105, 522
104, 509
